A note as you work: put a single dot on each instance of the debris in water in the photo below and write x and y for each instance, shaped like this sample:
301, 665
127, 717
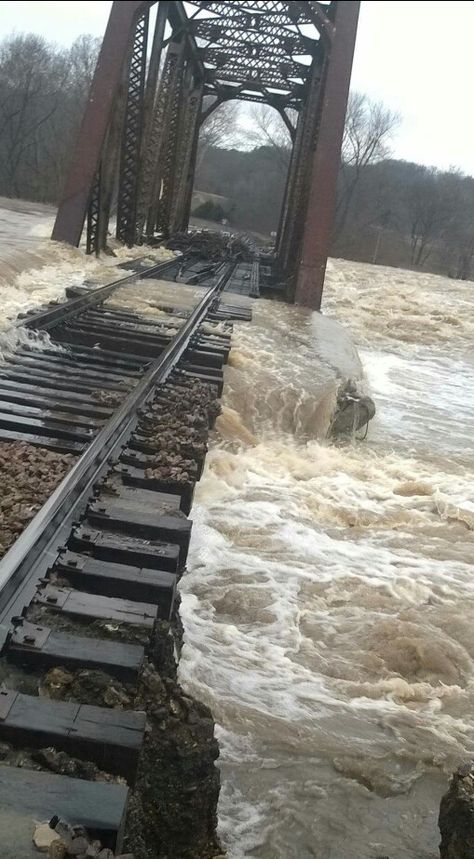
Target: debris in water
214, 246
353, 411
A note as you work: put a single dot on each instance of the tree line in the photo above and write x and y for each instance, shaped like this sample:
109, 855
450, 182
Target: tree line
388, 211
43, 89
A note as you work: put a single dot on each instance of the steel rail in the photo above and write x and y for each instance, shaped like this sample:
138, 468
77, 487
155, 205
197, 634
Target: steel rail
46, 319
27, 561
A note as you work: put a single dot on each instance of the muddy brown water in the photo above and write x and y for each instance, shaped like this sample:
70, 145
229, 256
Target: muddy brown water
329, 601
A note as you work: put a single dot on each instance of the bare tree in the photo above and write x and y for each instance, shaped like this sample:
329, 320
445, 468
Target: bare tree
82, 60
31, 81
431, 206
269, 129
368, 129
219, 129
42, 93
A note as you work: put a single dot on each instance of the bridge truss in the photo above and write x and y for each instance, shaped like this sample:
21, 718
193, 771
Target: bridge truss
153, 88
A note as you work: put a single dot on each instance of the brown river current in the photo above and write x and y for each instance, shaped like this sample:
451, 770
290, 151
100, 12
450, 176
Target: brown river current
329, 602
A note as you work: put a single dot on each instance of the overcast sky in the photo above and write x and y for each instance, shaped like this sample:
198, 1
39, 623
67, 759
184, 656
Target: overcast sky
415, 56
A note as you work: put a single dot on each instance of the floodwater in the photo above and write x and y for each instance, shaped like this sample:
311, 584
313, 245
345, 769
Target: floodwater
329, 600
35, 271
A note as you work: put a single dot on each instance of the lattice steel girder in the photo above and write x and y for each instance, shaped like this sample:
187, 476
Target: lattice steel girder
267, 73
155, 153
153, 125
188, 134
260, 95
131, 140
295, 201
166, 120
278, 13
244, 44
257, 58
93, 217
100, 105
233, 31
263, 51
249, 87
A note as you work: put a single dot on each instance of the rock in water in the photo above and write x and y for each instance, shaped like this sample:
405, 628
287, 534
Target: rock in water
456, 816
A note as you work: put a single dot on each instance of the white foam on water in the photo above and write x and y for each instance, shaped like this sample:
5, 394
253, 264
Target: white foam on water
330, 593
15, 338
34, 270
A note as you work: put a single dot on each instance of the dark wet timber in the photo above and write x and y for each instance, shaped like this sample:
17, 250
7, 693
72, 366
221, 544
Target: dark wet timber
87, 591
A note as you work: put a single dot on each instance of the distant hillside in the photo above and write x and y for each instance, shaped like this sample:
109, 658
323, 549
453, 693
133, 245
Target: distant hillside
253, 180
393, 212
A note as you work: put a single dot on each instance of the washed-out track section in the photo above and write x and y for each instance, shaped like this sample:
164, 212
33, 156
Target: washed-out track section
60, 396
87, 591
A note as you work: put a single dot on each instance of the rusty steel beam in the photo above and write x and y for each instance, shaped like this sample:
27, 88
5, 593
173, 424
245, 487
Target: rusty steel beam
165, 177
107, 77
326, 158
289, 191
179, 21
294, 207
132, 135
93, 217
187, 155
187, 202
153, 122
157, 120
159, 149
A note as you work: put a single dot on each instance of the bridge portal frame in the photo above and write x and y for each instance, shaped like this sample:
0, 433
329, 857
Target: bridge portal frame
139, 136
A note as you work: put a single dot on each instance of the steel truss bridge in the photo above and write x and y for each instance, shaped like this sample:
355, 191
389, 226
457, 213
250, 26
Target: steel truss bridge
162, 70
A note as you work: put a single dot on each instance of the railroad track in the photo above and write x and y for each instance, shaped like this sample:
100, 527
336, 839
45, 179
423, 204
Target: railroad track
88, 588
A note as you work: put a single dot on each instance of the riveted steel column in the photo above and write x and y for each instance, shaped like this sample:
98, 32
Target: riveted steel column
289, 246
152, 122
326, 158
187, 202
288, 185
287, 210
187, 153
169, 151
164, 110
93, 217
131, 140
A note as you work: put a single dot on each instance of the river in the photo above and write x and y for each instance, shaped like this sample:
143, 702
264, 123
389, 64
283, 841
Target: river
329, 600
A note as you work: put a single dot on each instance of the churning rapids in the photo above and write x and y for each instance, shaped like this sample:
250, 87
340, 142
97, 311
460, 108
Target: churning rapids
329, 602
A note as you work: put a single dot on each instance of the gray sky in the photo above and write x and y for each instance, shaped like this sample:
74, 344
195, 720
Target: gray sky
415, 56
